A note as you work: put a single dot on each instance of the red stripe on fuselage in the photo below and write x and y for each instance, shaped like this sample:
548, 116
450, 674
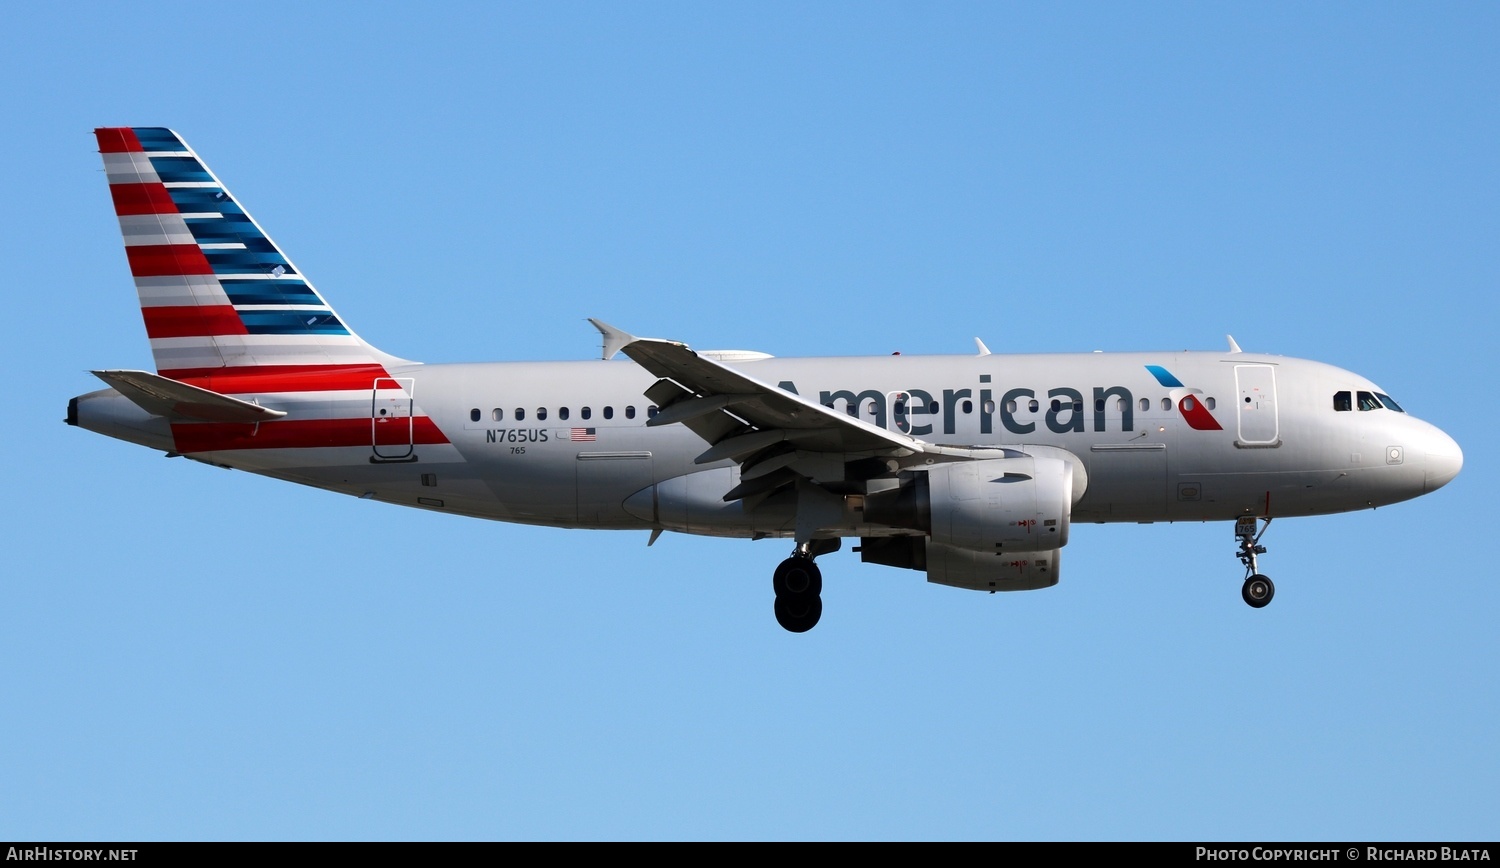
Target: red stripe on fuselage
282, 378
192, 321
142, 199
117, 140
167, 260
194, 437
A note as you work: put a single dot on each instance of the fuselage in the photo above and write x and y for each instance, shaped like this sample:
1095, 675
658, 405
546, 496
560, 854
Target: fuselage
1159, 436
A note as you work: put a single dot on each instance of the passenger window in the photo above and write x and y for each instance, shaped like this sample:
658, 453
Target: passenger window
1121, 404
1166, 404
562, 413
609, 412
1098, 405
520, 414
968, 407
989, 406
1056, 405
1187, 404
1388, 402
1145, 405
541, 414
1367, 401
1010, 406
630, 412
474, 415
1034, 405
1210, 402
1342, 401
932, 408
497, 414
584, 412
652, 410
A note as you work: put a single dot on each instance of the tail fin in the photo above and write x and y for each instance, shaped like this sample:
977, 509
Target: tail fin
216, 293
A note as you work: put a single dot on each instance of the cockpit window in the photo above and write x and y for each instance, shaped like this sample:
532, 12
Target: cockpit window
1367, 401
1388, 402
1343, 401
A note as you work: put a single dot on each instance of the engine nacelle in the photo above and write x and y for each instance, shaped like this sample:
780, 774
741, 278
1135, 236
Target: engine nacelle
964, 568
994, 506
1019, 571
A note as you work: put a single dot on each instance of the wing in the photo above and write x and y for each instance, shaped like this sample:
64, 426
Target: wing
774, 435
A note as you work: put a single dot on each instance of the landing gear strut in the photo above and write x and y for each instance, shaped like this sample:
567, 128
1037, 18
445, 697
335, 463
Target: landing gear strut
1258, 589
798, 584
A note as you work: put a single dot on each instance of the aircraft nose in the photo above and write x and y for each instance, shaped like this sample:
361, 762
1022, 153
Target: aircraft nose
1444, 460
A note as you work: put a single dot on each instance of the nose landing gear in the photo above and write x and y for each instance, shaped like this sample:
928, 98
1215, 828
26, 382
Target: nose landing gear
798, 584
1258, 589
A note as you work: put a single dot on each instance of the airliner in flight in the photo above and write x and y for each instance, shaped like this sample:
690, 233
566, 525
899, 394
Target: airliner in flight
969, 468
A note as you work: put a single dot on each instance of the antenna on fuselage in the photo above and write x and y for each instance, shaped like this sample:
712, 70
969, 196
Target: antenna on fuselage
1233, 347
983, 350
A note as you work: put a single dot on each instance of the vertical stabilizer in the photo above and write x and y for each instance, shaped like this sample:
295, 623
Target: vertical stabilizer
217, 295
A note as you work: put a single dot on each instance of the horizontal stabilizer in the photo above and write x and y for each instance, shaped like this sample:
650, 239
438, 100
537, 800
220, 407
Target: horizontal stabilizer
162, 396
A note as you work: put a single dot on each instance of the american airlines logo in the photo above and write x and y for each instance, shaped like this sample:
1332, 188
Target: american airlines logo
1187, 400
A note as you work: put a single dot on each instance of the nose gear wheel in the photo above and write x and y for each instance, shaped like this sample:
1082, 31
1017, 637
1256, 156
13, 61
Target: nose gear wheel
1258, 589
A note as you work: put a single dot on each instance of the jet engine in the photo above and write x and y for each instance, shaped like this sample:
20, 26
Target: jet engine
994, 505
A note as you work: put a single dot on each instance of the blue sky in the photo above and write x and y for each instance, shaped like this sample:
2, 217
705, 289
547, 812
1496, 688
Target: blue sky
192, 654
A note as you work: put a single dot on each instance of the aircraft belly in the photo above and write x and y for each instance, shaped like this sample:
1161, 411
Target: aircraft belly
694, 503
1213, 496
440, 478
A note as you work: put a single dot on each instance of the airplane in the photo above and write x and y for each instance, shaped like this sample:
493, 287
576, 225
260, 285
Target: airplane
970, 468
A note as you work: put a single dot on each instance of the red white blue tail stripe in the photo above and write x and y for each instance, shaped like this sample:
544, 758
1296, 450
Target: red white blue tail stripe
226, 310
215, 290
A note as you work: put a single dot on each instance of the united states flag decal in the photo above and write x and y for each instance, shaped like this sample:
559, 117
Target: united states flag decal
583, 435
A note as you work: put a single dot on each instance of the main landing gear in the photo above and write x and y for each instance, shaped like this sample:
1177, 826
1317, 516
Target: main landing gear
1258, 589
798, 584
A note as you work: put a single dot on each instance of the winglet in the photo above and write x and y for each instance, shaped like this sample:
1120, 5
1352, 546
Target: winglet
1233, 347
614, 339
983, 350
